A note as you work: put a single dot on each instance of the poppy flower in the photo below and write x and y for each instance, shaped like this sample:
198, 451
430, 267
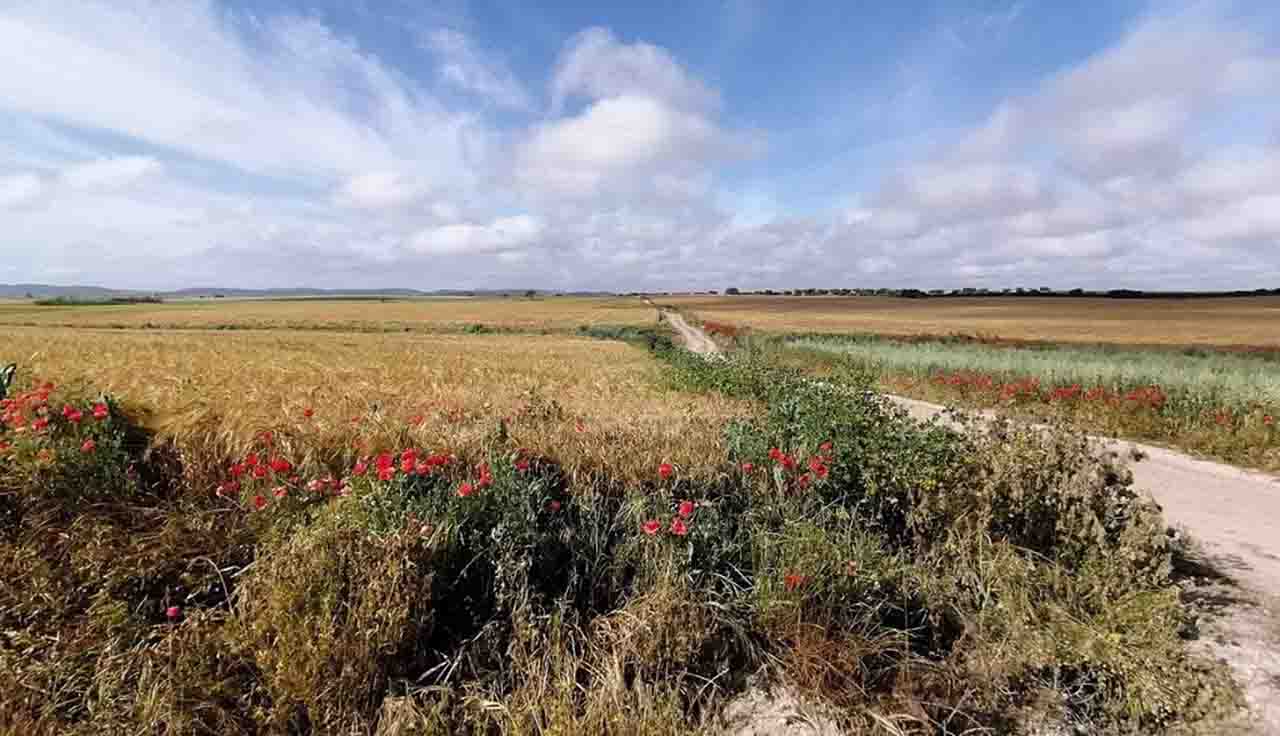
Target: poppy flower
259, 502
408, 462
651, 527
172, 612
678, 527
580, 427
822, 472
788, 462
665, 470
465, 490
792, 581
815, 463
308, 412
251, 460
40, 424
88, 447
386, 473
360, 468
522, 465
775, 453
72, 414
803, 481
229, 488
237, 470
100, 411
281, 491
259, 471
686, 509
748, 467
825, 446
280, 465
1268, 420
4, 446
554, 505
266, 437
485, 477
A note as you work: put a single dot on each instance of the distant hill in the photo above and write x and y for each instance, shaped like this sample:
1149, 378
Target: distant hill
91, 293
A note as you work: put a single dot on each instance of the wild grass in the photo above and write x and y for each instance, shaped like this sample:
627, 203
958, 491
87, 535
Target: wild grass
710, 523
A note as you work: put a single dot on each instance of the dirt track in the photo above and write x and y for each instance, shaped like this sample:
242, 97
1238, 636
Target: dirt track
1233, 514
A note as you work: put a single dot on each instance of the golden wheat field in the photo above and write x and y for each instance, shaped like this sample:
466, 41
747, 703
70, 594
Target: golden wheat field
599, 404
1247, 321
551, 313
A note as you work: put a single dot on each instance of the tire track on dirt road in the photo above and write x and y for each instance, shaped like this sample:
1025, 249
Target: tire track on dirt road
1233, 515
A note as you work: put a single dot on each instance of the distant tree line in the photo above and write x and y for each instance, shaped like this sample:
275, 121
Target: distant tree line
1042, 291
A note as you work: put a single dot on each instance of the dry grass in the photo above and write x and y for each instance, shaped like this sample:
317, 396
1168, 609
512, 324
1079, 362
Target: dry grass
1247, 321
551, 313
217, 390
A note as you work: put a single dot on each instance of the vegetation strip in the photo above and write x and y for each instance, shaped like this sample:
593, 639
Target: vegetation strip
935, 579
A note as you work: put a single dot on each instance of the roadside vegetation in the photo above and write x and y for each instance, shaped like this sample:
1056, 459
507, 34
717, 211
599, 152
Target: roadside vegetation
491, 534
1216, 403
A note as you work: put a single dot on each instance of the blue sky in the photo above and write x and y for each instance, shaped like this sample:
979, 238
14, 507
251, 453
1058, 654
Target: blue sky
663, 145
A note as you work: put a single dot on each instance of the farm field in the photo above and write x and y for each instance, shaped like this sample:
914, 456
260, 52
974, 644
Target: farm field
335, 529
1226, 322
393, 315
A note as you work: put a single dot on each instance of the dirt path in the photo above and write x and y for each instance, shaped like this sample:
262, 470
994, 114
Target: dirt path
1233, 515
694, 338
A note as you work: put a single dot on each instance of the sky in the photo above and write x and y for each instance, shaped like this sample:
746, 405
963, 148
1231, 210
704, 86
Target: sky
700, 144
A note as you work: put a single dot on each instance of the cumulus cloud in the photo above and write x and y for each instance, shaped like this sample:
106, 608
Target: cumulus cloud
502, 234
154, 160
596, 65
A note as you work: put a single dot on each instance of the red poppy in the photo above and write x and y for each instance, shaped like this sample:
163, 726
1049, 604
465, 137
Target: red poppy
251, 460
229, 488
100, 411
793, 581
1267, 420
237, 470
522, 465
554, 505
788, 462
259, 471
281, 491
259, 502
775, 453
803, 481
465, 490
815, 463
386, 473
580, 427
408, 461
686, 509
280, 465
360, 468
665, 470
822, 472
40, 424
825, 446
172, 612
651, 527
88, 447
266, 437
72, 414
748, 467
4, 446
308, 412
678, 527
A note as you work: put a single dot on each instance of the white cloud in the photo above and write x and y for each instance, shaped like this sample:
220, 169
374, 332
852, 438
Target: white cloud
597, 65
110, 173
380, 190
502, 234
19, 189
468, 68
280, 104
